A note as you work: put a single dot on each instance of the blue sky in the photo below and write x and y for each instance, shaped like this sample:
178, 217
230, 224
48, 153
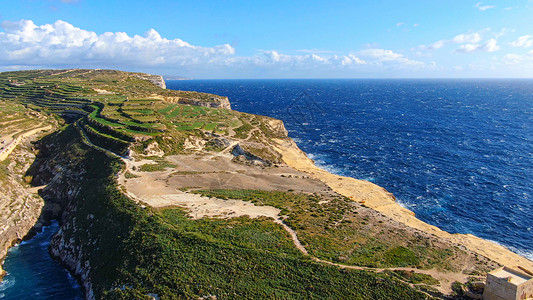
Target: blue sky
272, 39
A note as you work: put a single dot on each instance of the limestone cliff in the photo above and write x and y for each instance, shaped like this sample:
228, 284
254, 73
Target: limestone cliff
20, 206
155, 79
59, 167
214, 101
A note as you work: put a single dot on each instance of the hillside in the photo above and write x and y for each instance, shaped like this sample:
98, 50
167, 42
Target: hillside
172, 193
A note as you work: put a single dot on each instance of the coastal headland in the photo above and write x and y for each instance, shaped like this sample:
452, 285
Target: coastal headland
174, 194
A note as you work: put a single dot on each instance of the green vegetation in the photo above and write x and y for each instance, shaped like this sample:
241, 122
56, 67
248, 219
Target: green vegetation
332, 229
130, 175
116, 106
166, 253
413, 277
162, 251
158, 166
119, 108
242, 131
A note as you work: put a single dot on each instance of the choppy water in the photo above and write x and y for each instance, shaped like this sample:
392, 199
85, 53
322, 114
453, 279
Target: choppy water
33, 274
456, 152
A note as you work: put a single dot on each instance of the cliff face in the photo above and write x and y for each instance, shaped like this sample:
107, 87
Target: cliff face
155, 79
20, 206
215, 102
69, 252
61, 166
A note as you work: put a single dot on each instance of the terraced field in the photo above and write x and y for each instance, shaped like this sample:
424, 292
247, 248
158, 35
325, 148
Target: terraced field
16, 122
116, 108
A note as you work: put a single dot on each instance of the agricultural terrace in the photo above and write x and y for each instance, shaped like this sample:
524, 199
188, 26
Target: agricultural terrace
115, 108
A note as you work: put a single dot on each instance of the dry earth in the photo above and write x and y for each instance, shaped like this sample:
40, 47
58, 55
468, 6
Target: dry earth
212, 171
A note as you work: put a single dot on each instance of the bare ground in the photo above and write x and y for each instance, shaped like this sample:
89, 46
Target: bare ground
211, 171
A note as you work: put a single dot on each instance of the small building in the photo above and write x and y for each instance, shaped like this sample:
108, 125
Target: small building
509, 284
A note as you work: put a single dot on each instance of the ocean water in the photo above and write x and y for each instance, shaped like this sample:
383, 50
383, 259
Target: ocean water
33, 274
459, 153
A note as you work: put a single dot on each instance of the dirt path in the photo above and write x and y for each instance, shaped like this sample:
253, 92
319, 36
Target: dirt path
156, 193
154, 189
380, 200
445, 279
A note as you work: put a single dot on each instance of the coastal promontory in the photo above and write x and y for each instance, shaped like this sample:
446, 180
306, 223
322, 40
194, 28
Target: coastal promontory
164, 194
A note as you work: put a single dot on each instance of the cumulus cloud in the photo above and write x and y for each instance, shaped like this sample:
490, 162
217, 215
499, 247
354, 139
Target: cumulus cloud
437, 45
482, 7
469, 42
274, 59
388, 57
514, 59
489, 46
523, 41
467, 38
26, 45
23, 42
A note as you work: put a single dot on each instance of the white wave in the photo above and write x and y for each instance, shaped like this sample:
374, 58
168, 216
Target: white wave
6, 283
523, 252
319, 162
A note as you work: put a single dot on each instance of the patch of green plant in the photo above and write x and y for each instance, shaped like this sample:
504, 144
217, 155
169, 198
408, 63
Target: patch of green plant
159, 166
333, 231
414, 278
242, 131
210, 126
130, 175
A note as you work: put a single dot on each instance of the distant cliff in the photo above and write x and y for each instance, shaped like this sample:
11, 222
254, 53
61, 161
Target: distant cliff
155, 79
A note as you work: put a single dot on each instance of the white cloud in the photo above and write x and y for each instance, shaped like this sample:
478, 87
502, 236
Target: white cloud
482, 7
467, 38
387, 57
382, 54
523, 41
314, 51
274, 59
470, 38
61, 45
23, 42
470, 42
514, 59
489, 46
399, 24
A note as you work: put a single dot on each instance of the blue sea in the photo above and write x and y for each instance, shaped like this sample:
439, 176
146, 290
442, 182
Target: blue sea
33, 274
459, 153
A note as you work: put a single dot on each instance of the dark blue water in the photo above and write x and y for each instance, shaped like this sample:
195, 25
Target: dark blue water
456, 152
33, 274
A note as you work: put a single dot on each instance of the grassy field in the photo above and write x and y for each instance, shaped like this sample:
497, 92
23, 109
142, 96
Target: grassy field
337, 230
166, 253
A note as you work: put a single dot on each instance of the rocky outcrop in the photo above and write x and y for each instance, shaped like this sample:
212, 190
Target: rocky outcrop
155, 79
277, 126
215, 102
20, 206
256, 154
